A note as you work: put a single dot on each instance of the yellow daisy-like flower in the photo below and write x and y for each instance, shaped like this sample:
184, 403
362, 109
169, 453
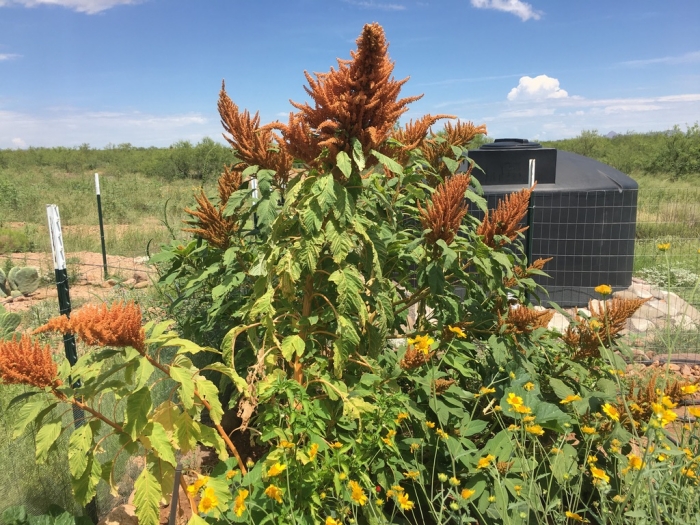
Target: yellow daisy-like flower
239, 503
276, 470
400, 417
513, 427
514, 400
357, 494
663, 246
443, 435
485, 461
689, 472
331, 521
414, 447
668, 402
694, 411
535, 429
442, 477
208, 501
603, 289
599, 475
313, 450
595, 325
404, 502
286, 444
486, 390
194, 488
467, 493
555, 450
389, 438
611, 412
573, 516
689, 389
454, 482
529, 419
274, 492
422, 343
337, 445
231, 473
511, 375
412, 474
492, 498
522, 409
588, 430
342, 476
457, 331
570, 399
635, 462
592, 459
662, 416
529, 386
430, 424
517, 489
635, 407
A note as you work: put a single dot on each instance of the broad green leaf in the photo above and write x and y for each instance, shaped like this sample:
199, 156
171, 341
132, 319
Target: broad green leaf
196, 520
390, 163
28, 413
147, 498
291, 345
156, 436
207, 390
341, 242
237, 380
344, 163
167, 414
263, 305
184, 377
324, 190
143, 373
78, 447
138, 406
350, 285
46, 437
354, 407
561, 389
84, 486
451, 164
186, 433
357, 155
211, 438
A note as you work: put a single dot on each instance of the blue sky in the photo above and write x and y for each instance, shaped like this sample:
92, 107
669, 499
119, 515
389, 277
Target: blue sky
148, 72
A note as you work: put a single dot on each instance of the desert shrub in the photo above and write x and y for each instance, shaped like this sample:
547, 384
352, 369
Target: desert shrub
385, 363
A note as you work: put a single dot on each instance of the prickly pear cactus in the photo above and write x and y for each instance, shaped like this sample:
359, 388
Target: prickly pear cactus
24, 279
9, 322
3, 285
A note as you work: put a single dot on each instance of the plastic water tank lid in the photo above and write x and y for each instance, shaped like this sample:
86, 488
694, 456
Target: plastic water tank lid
512, 144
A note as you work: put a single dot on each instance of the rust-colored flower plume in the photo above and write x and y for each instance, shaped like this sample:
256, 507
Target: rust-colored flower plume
358, 100
412, 135
116, 325
24, 361
521, 273
457, 134
524, 320
505, 219
444, 212
255, 145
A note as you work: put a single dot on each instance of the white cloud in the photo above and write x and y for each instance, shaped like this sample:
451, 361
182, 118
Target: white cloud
516, 7
687, 58
89, 7
18, 143
538, 88
623, 108
72, 127
376, 5
8, 56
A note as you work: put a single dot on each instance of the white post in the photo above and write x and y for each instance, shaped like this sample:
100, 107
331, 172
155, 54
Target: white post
59, 255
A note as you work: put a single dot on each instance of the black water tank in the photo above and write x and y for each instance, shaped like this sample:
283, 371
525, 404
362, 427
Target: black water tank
584, 217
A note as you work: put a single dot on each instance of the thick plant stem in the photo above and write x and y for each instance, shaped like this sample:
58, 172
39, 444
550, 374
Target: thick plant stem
305, 312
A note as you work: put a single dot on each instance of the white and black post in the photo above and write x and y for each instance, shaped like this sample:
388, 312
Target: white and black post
254, 186
102, 228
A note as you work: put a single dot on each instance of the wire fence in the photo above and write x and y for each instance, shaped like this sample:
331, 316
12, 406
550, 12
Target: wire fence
646, 244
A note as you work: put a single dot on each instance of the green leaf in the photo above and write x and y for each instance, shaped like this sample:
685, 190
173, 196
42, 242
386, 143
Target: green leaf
291, 345
349, 284
196, 520
184, 377
143, 373
341, 242
186, 433
237, 380
357, 154
210, 393
324, 190
211, 438
28, 414
84, 486
138, 406
451, 164
46, 437
263, 305
147, 498
344, 163
78, 447
159, 442
561, 389
390, 163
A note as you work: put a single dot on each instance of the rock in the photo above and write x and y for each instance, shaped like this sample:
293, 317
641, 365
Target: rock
639, 325
140, 277
121, 515
20, 298
684, 322
25, 279
673, 367
141, 260
625, 294
686, 371
141, 285
129, 283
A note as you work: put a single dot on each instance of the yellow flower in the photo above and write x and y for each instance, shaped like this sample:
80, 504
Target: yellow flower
414, 447
313, 450
276, 470
517, 489
522, 409
599, 475
208, 501
379, 502
357, 493
404, 502
512, 375
688, 453
286, 444
592, 459
555, 450
412, 474
457, 331
529, 386
535, 429
485, 461
331, 521
400, 417
662, 416
322, 495
529, 419
689, 472
430, 424
587, 430
486, 390
514, 400
618, 498
664, 246
389, 439
611, 412
492, 498
635, 462
454, 482
274, 492
635, 407
239, 505
694, 411
595, 325
603, 289
513, 427
231, 473
668, 403
573, 516
336, 445
194, 488
422, 343
440, 432
570, 399
689, 389
467, 493
342, 476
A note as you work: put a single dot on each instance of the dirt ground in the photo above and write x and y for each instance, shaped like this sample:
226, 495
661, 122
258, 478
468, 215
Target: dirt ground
86, 273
